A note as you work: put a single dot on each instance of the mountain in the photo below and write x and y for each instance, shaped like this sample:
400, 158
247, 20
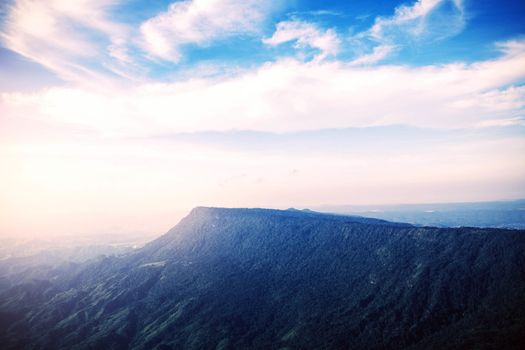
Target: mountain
272, 279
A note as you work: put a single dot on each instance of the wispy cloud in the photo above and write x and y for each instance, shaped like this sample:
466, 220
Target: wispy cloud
82, 42
291, 95
288, 94
59, 34
423, 21
378, 54
306, 35
317, 13
199, 22
503, 122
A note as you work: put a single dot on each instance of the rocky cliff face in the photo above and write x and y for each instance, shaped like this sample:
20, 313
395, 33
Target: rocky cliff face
269, 279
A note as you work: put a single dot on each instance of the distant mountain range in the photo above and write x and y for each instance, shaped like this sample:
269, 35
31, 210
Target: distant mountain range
501, 214
279, 279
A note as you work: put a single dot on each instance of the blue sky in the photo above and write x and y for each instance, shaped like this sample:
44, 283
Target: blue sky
135, 111
455, 33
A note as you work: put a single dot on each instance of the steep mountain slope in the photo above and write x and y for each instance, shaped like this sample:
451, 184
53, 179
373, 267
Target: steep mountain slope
269, 279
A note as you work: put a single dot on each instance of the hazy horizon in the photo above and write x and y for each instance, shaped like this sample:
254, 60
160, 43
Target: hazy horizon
119, 117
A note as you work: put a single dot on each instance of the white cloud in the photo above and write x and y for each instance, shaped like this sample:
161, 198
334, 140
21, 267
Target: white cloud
306, 35
58, 34
425, 20
512, 98
378, 54
502, 122
199, 22
290, 95
81, 42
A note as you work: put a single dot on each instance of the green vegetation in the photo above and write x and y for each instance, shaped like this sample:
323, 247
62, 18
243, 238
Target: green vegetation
267, 279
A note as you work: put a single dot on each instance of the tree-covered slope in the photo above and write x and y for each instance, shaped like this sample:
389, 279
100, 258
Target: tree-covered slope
268, 279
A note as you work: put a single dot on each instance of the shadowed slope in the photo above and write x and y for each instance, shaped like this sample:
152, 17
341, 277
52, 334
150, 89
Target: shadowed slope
265, 279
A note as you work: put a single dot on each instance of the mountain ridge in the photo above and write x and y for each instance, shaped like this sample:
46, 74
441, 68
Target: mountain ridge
264, 278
